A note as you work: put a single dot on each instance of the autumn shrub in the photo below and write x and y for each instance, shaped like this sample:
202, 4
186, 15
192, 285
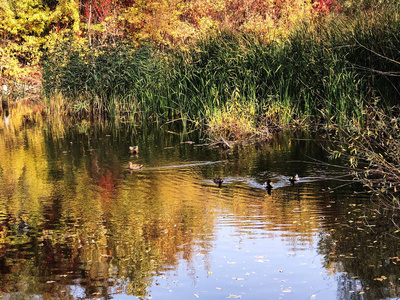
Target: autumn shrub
27, 27
373, 152
351, 7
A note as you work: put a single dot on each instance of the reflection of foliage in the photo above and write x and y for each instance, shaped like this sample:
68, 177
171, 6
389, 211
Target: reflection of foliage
76, 215
366, 248
92, 224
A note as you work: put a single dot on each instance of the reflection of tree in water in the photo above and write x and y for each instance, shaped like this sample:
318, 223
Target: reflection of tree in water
95, 229
92, 229
98, 255
365, 251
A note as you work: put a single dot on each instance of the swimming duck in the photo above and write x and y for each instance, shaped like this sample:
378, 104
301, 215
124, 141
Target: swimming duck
268, 184
134, 149
293, 178
219, 181
133, 166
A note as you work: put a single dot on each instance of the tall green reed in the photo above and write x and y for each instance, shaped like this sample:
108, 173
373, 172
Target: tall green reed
321, 73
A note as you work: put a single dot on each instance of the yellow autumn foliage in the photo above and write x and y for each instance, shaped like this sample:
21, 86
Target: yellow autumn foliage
27, 27
158, 21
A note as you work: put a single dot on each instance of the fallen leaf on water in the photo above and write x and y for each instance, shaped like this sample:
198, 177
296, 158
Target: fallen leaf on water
382, 278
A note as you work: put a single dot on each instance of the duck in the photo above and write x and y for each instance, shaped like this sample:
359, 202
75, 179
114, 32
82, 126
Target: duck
268, 184
134, 149
218, 180
293, 178
133, 166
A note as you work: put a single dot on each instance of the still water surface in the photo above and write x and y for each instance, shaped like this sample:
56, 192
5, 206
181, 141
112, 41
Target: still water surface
76, 223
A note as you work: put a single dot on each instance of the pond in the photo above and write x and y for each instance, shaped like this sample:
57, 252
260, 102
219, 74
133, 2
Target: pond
77, 223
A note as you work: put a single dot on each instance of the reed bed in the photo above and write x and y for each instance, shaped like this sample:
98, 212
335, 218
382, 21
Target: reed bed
319, 75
